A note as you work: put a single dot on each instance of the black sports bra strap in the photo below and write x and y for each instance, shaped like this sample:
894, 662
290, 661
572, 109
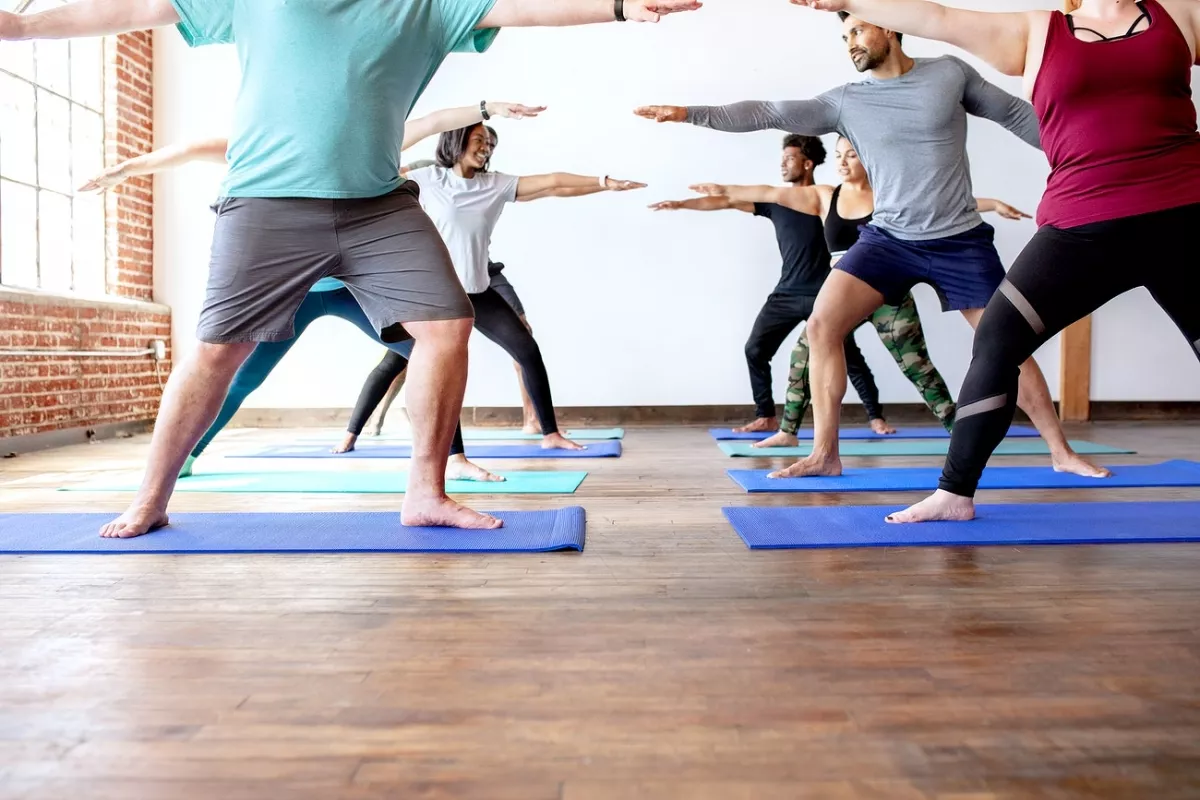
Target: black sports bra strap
1141, 4
833, 201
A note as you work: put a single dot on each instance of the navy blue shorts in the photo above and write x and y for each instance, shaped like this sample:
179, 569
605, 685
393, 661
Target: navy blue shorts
964, 270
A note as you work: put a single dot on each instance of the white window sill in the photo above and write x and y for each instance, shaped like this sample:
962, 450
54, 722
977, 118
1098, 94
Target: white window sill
41, 298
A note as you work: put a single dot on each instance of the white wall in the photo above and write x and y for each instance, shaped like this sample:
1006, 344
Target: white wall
633, 307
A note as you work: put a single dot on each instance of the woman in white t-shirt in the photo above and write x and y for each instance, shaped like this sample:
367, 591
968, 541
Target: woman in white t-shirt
465, 201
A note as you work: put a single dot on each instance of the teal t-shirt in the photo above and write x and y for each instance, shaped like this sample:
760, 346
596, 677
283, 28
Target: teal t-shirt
326, 86
327, 285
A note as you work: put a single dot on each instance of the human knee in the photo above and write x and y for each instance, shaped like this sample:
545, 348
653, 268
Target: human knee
443, 333
825, 333
223, 357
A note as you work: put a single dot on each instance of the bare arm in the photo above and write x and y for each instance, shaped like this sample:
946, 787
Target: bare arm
986, 204
1001, 39
559, 13
88, 18
564, 184
715, 203
164, 158
814, 117
449, 119
805, 199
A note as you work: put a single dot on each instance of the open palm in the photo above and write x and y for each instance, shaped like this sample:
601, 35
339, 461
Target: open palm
654, 10
822, 5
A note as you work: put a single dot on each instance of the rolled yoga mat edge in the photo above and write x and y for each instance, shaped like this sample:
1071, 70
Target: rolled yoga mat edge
908, 479
307, 532
343, 483
912, 447
827, 527
852, 434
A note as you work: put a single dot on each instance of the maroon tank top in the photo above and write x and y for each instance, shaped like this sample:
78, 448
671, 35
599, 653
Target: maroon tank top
1118, 124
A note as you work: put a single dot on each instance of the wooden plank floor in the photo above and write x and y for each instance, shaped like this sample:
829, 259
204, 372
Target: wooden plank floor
667, 661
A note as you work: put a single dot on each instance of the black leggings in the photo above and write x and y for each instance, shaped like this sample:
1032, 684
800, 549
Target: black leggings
496, 320
1060, 277
779, 317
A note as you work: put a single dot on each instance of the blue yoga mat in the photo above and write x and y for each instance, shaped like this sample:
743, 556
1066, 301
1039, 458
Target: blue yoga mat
606, 449
322, 532
910, 447
1052, 523
341, 482
930, 432
905, 479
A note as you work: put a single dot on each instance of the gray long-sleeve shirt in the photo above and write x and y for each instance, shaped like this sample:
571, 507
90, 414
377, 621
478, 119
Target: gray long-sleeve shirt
910, 133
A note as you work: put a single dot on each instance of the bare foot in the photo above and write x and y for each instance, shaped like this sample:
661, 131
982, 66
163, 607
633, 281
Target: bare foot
377, 431
780, 439
442, 512
882, 427
760, 425
940, 505
135, 522
814, 465
459, 469
556, 441
1076, 464
531, 426
347, 444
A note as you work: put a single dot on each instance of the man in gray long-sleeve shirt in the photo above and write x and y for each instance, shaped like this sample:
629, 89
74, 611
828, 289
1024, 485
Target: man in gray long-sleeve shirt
908, 123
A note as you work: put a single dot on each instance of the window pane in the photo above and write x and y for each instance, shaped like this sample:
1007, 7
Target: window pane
87, 145
54, 142
18, 130
53, 64
54, 238
18, 235
87, 72
89, 244
17, 58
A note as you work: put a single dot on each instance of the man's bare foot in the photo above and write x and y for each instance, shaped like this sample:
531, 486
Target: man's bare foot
882, 427
814, 465
347, 444
458, 468
442, 512
556, 441
136, 521
780, 439
939, 506
760, 425
1076, 464
531, 426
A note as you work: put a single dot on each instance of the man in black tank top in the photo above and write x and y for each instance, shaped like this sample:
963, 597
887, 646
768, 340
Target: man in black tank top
805, 256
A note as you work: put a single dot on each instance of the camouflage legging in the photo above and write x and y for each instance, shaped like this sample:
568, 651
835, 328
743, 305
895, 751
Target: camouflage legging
899, 328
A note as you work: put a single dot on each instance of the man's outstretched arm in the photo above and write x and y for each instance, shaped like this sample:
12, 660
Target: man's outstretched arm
815, 117
88, 18
561, 13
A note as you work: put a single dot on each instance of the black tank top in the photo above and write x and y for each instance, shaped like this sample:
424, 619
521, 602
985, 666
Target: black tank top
841, 234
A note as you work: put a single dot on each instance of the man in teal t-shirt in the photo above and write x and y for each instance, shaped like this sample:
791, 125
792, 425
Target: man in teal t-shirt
314, 192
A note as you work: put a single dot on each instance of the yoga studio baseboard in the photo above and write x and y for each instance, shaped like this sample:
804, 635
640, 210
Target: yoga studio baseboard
579, 416
16, 445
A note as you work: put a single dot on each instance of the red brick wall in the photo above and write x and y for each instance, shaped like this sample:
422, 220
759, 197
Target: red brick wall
45, 393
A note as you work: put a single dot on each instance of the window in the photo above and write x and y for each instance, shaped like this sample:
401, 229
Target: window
51, 141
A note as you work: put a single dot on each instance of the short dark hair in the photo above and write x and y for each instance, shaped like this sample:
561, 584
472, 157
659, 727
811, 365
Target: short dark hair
811, 147
452, 144
899, 36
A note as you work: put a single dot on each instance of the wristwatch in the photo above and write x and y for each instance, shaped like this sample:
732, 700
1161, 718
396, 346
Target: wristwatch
483, 110
619, 10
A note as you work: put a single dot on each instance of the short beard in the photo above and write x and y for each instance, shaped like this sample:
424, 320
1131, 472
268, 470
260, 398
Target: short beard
873, 60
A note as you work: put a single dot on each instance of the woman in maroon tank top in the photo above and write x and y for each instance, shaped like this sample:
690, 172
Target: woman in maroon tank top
1110, 81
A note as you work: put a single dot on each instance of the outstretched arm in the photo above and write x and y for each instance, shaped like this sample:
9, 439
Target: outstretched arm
88, 18
564, 184
805, 199
558, 13
1001, 39
989, 101
814, 117
449, 119
164, 158
985, 204
715, 203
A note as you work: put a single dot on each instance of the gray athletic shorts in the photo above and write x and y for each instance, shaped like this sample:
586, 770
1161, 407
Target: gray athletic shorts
504, 288
267, 253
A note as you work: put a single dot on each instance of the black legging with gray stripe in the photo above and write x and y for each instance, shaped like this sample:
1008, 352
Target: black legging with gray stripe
1060, 277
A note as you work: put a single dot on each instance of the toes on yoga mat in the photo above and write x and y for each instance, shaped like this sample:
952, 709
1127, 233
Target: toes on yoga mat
606, 449
911, 447
373, 532
1055, 523
904, 479
344, 483
845, 434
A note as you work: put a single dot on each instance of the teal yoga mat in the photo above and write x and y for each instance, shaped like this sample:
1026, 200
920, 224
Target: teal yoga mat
912, 447
482, 435
344, 483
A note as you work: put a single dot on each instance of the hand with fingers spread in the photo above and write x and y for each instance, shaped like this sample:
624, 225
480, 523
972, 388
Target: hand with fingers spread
110, 177
662, 113
666, 205
710, 189
654, 10
822, 5
513, 110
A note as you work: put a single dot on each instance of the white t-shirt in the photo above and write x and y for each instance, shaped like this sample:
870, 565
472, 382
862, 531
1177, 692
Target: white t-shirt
465, 213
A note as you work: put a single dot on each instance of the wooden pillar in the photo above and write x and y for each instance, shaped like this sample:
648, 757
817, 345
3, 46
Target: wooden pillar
1075, 372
